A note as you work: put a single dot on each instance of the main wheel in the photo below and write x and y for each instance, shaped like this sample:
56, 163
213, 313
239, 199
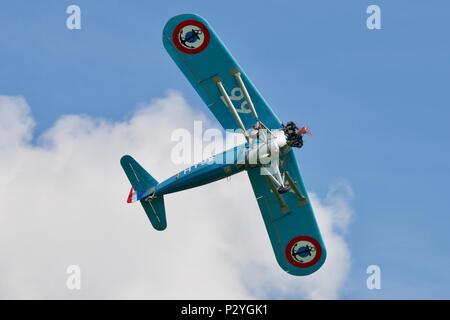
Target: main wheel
284, 189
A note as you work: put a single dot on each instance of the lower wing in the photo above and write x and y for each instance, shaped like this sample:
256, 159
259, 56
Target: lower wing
200, 54
289, 219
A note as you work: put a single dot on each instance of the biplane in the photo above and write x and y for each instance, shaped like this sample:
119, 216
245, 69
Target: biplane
267, 154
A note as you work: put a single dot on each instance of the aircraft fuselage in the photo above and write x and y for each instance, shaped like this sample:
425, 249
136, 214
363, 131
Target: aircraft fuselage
225, 164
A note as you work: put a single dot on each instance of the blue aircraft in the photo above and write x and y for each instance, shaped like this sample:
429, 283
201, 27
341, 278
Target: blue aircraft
267, 154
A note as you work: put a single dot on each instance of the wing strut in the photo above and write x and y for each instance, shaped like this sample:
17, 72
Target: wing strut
283, 206
300, 197
238, 77
231, 106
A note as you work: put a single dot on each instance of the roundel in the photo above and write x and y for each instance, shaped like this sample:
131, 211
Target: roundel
191, 36
303, 251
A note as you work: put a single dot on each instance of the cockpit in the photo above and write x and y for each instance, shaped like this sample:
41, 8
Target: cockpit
294, 135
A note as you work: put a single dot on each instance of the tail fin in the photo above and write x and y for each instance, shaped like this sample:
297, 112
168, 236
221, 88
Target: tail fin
143, 185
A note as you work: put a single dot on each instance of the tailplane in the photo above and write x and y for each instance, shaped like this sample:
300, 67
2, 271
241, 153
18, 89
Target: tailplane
143, 189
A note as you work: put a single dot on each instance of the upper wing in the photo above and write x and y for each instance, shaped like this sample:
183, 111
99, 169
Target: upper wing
203, 58
290, 223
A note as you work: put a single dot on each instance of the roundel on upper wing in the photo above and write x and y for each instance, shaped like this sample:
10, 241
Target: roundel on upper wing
303, 251
191, 36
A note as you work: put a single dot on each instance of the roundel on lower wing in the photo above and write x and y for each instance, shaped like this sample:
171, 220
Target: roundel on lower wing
303, 251
191, 36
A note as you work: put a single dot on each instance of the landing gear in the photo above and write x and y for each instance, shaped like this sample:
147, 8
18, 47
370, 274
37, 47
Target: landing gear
284, 189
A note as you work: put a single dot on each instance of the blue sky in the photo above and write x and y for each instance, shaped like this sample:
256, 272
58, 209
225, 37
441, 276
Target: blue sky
377, 102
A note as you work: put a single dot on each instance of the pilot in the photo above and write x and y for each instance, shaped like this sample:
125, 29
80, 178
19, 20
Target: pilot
294, 135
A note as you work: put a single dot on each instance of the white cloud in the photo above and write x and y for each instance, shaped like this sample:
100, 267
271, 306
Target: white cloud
62, 202
15, 122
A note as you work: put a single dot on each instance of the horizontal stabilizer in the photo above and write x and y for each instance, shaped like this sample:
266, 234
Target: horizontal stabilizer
156, 212
140, 180
143, 187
